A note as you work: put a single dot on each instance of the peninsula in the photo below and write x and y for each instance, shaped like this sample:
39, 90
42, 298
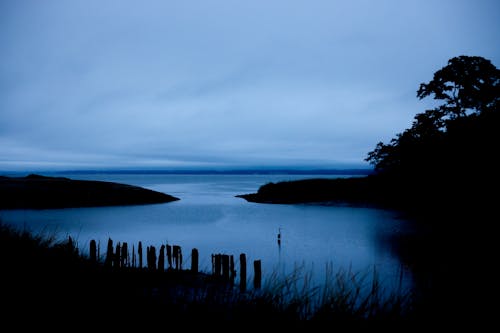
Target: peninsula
41, 192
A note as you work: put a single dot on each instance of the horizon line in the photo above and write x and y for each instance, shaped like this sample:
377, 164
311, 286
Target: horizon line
207, 171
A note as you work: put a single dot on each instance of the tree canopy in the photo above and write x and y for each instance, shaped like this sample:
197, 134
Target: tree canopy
469, 88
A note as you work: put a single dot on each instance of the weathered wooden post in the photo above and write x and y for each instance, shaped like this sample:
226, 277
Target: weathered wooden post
133, 256
257, 274
180, 258
232, 272
225, 267
218, 265
99, 250
139, 253
169, 256
152, 258
93, 251
161, 259
243, 272
174, 256
177, 253
124, 255
117, 258
108, 262
194, 260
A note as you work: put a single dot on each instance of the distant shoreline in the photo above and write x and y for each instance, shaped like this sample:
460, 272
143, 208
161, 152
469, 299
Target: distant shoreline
42, 192
246, 171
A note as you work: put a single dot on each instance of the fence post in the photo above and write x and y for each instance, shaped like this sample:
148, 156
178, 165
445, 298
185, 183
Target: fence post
243, 272
152, 258
117, 258
218, 265
108, 262
232, 272
169, 256
257, 274
123, 259
225, 267
93, 251
133, 256
139, 252
194, 260
180, 258
161, 259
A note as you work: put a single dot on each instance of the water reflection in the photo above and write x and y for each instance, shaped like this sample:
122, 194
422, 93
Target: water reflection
208, 217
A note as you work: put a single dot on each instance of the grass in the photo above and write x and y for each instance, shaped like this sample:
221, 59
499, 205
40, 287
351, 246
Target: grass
43, 277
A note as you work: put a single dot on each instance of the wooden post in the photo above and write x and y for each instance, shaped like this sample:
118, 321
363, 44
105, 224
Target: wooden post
108, 262
243, 272
161, 259
139, 252
177, 253
169, 256
93, 251
123, 259
152, 258
133, 256
180, 258
99, 250
218, 265
194, 260
232, 272
117, 258
257, 274
225, 267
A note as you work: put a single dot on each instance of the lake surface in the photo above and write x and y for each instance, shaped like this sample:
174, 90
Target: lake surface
210, 218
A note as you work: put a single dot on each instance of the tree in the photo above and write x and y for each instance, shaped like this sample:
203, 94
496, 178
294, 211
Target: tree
466, 85
469, 87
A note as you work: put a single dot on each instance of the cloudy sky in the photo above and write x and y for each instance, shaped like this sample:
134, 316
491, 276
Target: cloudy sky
222, 83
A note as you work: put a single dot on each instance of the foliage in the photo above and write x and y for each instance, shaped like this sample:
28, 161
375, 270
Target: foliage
469, 88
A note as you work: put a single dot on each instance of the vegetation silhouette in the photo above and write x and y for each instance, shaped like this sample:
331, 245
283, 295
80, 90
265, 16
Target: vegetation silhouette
45, 280
446, 160
442, 172
442, 164
41, 192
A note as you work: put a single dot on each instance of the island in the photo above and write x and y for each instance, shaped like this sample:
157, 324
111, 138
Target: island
42, 192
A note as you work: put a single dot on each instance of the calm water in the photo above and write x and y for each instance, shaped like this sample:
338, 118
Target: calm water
210, 218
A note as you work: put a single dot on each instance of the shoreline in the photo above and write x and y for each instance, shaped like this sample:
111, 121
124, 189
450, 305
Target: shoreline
42, 192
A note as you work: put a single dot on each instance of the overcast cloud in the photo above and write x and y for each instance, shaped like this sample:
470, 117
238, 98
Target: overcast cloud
175, 84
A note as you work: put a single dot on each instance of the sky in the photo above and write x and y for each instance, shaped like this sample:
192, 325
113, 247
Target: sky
93, 84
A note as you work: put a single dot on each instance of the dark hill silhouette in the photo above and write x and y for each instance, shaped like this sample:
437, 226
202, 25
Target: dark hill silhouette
39, 192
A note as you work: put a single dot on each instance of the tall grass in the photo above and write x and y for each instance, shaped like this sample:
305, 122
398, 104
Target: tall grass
344, 295
71, 278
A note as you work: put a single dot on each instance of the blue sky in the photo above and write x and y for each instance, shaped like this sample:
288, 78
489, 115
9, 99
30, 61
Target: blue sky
222, 83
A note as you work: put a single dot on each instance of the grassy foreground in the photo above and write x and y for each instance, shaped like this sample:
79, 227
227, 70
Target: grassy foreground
44, 279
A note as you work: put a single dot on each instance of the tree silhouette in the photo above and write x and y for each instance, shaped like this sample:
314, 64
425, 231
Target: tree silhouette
470, 90
466, 85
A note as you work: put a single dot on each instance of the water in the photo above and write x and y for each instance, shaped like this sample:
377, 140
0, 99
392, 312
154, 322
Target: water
210, 218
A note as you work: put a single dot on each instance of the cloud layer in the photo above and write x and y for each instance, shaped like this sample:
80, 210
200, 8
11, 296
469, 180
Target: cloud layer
97, 84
